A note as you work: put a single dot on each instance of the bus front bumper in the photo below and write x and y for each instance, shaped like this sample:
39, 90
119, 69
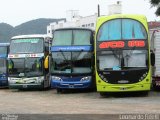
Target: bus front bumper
71, 85
25, 86
124, 88
26, 83
3, 83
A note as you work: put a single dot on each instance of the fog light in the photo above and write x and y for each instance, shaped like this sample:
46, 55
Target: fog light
56, 78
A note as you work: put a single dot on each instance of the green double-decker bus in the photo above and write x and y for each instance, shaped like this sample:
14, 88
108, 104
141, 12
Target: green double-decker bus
122, 54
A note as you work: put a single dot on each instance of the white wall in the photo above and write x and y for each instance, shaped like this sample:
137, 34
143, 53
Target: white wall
87, 22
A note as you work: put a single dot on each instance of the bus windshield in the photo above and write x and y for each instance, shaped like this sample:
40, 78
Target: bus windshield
71, 62
121, 29
3, 68
110, 60
123, 58
26, 67
26, 45
72, 37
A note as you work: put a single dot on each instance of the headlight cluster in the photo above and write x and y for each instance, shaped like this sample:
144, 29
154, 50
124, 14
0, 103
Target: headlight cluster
86, 78
103, 78
12, 80
40, 79
3, 76
56, 78
143, 76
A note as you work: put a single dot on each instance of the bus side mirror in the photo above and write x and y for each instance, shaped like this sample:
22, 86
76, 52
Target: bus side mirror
152, 59
46, 62
92, 39
50, 54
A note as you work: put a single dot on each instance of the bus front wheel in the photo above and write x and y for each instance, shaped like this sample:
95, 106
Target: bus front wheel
59, 90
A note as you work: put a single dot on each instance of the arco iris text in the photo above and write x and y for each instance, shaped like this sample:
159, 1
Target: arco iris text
122, 44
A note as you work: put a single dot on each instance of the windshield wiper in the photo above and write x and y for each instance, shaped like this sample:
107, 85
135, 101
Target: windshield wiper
118, 54
78, 54
63, 55
127, 56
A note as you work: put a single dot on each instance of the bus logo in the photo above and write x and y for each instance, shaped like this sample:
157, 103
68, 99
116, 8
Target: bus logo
114, 44
136, 43
121, 44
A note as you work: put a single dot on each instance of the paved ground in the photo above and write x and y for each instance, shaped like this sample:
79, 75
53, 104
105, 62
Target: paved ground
49, 102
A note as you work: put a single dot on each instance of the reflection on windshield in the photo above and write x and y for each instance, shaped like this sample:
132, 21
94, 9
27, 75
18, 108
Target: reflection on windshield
28, 45
71, 62
72, 37
25, 67
3, 68
132, 58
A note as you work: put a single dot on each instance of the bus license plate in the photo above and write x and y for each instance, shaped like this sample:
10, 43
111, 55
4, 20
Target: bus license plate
71, 86
25, 86
123, 88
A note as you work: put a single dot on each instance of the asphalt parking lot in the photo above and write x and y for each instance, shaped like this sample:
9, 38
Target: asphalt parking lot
49, 102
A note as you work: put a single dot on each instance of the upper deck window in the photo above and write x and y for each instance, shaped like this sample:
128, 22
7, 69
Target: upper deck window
27, 45
121, 29
71, 37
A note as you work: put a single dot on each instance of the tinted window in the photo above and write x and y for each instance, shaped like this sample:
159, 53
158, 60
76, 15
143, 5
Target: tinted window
72, 37
120, 29
27, 45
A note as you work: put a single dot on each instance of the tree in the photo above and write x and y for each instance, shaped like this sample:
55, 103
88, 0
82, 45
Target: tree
156, 3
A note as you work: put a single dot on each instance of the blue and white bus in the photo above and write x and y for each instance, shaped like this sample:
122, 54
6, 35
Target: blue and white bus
26, 62
72, 59
4, 48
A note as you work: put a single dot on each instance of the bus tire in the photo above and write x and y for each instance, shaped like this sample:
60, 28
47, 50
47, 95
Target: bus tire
145, 93
59, 90
102, 94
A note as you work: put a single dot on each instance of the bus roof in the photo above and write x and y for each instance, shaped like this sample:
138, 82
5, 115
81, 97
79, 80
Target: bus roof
131, 16
71, 28
138, 17
4, 44
30, 36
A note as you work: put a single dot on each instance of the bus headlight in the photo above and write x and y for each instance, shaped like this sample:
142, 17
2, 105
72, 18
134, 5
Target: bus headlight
103, 78
86, 78
3, 76
40, 79
143, 77
56, 78
12, 80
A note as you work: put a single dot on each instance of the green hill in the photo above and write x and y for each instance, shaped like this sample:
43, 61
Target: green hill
6, 32
38, 26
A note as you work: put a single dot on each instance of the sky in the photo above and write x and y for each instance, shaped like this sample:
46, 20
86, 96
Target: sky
15, 12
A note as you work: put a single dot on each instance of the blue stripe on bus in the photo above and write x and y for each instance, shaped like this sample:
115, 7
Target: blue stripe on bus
71, 48
3, 55
4, 44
